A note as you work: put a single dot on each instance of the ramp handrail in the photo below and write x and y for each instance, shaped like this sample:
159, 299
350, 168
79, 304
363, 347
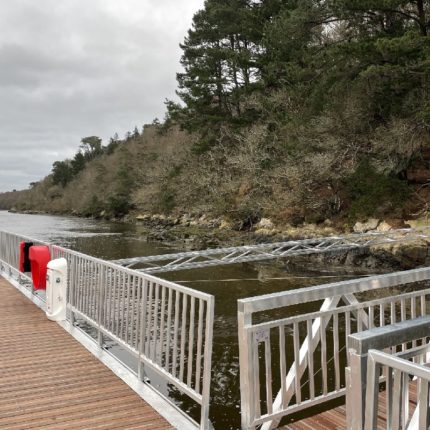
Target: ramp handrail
312, 345
371, 364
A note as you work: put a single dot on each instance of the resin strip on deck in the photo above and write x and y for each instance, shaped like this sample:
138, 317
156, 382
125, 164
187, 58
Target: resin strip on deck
49, 380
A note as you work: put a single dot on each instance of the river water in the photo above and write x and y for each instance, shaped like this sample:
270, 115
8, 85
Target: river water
110, 240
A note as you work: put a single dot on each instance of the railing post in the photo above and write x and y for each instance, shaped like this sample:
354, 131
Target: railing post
207, 370
246, 367
142, 329
71, 289
355, 390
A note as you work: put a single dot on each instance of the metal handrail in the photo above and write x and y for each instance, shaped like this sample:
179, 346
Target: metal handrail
399, 372
371, 364
311, 343
167, 327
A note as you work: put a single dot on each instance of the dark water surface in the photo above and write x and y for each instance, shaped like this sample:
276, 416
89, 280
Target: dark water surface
109, 240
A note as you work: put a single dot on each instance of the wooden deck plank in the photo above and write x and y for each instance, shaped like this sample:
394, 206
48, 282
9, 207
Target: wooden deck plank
48, 380
335, 419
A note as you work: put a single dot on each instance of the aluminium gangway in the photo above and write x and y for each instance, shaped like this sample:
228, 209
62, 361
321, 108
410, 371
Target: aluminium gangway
267, 251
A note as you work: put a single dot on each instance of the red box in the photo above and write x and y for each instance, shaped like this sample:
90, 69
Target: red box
39, 258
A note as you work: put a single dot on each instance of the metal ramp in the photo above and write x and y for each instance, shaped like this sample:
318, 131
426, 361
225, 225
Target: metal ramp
267, 251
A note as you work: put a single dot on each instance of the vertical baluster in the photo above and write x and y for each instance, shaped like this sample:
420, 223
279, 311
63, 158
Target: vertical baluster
83, 284
155, 334
86, 282
175, 334
199, 345
256, 377
403, 309
142, 326
105, 287
72, 291
149, 324
183, 333
96, 291
310, 360
89, 283
128, 313
359, 320
283, 366
393, 320
112, 275
397, 399
324, 354
168, 328
347, 332
389, 396
268, 367
130, 330
191, 342
296, 346
162, 323
336, 351
381, 315
371, 313
77, 282
393, 312
139, 308
116, 289
405, 399
93, 286
413, 316
403, 317
423, 313
80, 283
122, 310
423, 392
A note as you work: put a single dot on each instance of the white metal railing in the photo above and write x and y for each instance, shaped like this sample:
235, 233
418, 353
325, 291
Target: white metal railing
311, 345
378, 369
401, 375
168, 328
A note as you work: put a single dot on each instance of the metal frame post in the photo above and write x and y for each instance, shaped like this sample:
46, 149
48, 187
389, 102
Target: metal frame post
356, 390
246, 366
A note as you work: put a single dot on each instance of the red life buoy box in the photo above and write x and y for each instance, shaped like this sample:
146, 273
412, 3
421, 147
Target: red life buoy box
24, 257
39, 258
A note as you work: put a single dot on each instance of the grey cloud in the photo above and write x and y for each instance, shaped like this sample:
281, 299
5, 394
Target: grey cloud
73, 68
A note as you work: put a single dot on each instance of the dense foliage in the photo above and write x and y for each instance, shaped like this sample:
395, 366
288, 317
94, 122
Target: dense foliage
300, 110
327, 84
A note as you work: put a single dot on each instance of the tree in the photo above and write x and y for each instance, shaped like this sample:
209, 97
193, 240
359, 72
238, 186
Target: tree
62, 173
221, 62
78, 163
136, 133
91, 147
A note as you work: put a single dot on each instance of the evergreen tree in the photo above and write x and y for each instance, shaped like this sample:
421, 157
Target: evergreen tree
62, 173
221, 62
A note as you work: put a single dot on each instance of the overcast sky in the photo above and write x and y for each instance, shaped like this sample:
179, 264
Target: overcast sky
75, 68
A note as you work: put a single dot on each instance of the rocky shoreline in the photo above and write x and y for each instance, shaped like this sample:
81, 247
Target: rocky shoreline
192, 233
198, 232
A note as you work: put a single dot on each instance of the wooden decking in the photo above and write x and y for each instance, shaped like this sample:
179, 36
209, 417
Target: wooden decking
335, 419
49, 381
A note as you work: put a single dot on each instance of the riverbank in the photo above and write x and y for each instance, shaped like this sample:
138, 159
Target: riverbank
197, 232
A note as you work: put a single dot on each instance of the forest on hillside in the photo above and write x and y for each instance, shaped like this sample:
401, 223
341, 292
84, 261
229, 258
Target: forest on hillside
299, 110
